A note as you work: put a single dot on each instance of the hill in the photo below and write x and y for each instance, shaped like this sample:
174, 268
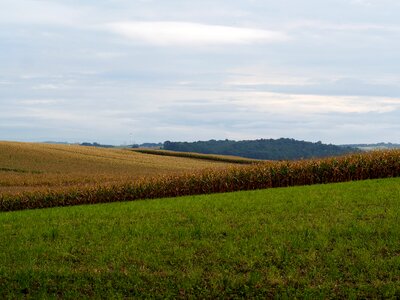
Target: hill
260, 175
33, 166
319, 242
377, 146
266, 149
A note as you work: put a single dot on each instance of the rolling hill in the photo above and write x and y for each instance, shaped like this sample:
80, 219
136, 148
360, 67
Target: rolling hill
319, 242
34, 166
265, 149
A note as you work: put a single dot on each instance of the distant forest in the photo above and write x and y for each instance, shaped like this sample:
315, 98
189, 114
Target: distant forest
268, 149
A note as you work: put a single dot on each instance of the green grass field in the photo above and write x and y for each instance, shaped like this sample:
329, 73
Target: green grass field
322, 241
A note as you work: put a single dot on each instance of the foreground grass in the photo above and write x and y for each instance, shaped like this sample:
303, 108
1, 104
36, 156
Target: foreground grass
322, 241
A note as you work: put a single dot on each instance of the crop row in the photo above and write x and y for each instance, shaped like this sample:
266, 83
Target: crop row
379, 164
211, 157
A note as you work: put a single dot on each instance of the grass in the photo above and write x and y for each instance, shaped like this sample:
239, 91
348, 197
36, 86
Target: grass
37, 167
322, 241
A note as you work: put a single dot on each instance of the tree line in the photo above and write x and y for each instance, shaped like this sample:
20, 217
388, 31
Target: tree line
268, 149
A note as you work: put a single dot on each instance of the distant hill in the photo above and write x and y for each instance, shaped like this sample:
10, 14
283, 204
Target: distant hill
96, 145
268, 149
56, 143
367, 147
144, 145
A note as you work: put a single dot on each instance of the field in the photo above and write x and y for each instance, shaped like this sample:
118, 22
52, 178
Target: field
211, 157
32, 166
322, 241
87, 176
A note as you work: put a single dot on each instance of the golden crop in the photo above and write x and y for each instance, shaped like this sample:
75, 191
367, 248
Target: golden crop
210, 157
379, 164
28, 167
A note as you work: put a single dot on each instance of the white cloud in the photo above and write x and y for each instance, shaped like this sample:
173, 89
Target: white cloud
318, 25
109, 55
40, 101
68, 66
256, 78
362, 2
46, 86
39, 13
291, 104
187, 34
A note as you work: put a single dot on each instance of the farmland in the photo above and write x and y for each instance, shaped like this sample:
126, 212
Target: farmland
211, 157
322, 241
32, 166
176, 176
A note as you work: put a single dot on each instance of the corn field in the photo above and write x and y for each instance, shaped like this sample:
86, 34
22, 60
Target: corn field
370, 165
37, 167
211, 157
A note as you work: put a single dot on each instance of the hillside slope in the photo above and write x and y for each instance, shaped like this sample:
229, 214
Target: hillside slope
266, 149
319, 242
26, 166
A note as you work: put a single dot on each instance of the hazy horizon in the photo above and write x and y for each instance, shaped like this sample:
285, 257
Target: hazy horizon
117, 71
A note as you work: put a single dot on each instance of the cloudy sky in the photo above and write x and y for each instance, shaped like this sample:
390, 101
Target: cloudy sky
114, 71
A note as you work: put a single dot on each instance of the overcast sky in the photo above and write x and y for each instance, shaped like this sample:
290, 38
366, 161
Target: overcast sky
114, 71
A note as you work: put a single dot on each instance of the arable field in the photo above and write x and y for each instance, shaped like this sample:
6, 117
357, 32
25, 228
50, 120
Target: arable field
34, 166
212, 157
322, 241
78, 180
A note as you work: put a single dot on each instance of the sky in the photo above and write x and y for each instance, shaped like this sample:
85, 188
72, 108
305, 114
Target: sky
123, 71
